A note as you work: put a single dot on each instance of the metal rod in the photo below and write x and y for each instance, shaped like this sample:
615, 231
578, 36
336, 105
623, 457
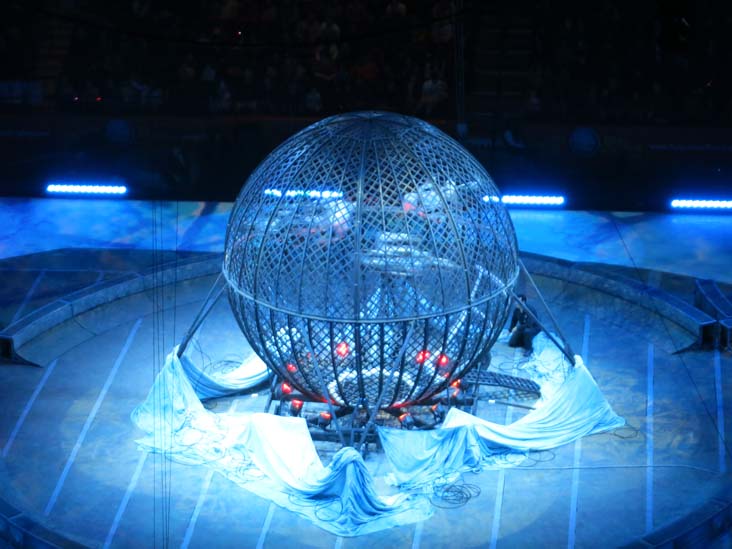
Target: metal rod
566, 351
549, 312
206, 308
514, 404
372, 417
323, 386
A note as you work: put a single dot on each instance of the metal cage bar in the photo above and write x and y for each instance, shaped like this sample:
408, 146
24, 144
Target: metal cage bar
360, 229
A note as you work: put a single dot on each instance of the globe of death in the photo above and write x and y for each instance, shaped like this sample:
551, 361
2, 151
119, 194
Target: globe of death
369, 260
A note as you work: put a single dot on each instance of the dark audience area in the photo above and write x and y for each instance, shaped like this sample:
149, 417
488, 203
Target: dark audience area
632, 62
265, 58
654, 62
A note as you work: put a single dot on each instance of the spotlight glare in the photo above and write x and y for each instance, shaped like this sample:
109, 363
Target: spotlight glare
438, 412
79, 188
296, 407
293, 193
407, 421
685, 203
531, 200
324, 419
342, 349
422, 356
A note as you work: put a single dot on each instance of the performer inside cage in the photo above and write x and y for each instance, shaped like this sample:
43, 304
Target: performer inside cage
523, 327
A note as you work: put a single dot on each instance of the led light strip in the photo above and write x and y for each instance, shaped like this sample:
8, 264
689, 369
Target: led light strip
292, 193
70, 188
527, 200
701, 204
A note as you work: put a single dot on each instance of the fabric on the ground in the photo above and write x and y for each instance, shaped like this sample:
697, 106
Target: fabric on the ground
272, 456
275, 458
215, 383
465, 442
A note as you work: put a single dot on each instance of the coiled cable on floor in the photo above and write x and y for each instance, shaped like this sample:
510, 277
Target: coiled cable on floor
450, 495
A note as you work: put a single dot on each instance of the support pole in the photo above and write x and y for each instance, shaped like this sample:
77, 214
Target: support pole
547, 309
324, 390
566, 349
208, 304
372, 417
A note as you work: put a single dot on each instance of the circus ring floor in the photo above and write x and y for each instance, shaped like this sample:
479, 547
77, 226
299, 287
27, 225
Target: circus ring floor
71, 473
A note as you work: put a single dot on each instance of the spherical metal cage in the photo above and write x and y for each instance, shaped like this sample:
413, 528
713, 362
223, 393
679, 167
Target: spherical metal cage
369, 259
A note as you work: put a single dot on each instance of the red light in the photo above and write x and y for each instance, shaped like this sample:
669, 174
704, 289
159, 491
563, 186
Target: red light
342, 349
434, 406
407, 421
422, 356
443, 360
286, 388
98, 98
455, 384
291, 367
408, 206
296, 404
326, 416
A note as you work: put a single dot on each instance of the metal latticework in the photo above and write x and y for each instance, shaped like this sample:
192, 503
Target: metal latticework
369, 260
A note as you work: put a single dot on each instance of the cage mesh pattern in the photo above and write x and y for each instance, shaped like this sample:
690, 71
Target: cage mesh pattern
368, 258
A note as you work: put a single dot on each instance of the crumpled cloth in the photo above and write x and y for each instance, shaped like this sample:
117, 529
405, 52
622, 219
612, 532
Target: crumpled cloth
275, 458
271, 456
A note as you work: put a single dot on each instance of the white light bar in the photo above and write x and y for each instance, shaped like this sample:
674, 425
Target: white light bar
292, 193
73, 188
701, 204
527, 200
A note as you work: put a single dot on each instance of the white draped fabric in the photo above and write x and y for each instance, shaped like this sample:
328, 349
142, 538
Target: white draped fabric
275, 458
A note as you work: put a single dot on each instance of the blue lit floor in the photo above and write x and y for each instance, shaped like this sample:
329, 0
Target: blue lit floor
693, 244
70, 462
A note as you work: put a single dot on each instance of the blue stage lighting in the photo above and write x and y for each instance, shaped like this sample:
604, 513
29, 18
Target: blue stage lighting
684, 203
85, 188
527, 200
294, 193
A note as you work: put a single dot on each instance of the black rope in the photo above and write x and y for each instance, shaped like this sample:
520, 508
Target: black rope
451, 495
620, 432
155, 369
161, 423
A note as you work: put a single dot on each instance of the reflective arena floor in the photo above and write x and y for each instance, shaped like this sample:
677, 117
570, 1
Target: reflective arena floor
97, 292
